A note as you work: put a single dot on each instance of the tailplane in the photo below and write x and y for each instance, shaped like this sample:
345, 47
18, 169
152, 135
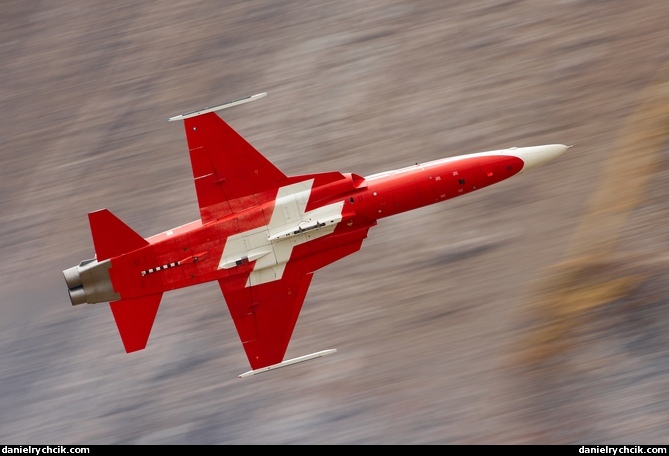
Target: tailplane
90, 282
112, 237
134, 316
134, 320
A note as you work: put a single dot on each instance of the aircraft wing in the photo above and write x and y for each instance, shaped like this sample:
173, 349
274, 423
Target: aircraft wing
230, 174
265, 315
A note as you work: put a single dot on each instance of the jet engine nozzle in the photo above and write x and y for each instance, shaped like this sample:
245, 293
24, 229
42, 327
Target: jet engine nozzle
72, 277
77, 296
89, 282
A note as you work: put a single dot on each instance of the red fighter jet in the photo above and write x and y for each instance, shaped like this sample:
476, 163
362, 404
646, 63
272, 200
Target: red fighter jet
262, 234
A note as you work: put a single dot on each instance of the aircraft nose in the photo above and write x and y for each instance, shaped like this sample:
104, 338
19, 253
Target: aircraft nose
538, 155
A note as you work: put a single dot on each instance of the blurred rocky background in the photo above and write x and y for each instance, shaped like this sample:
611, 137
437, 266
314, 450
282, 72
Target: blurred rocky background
532, 312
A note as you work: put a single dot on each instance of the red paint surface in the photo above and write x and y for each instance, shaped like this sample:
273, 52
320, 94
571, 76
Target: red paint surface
236, 191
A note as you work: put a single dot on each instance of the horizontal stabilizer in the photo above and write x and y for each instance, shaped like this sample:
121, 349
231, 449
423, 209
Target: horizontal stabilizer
112, 237
134, 319
299, 359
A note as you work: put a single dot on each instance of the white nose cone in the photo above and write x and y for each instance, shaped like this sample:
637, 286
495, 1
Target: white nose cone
538, 155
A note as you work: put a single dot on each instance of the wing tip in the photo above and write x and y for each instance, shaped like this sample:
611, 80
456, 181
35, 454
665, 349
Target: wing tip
227, 104
299, 359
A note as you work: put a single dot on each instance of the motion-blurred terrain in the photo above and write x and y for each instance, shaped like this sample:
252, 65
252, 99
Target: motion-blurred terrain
534, 311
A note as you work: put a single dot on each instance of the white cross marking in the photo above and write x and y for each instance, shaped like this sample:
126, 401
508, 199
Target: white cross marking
271, 257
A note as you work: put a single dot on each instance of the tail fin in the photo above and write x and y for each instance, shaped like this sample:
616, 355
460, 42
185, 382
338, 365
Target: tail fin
134, 319
112, 237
